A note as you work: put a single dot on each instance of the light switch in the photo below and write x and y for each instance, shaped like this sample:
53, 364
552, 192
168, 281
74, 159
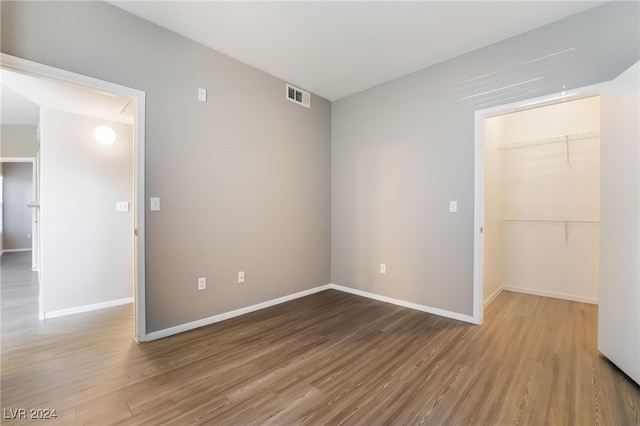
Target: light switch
453, 206
202, 95
122, 206
154, 204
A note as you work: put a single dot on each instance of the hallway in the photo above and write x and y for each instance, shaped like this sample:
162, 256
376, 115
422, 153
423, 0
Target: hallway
19, 294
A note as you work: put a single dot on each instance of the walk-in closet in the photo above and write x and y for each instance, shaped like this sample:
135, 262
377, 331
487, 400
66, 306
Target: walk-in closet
542, 201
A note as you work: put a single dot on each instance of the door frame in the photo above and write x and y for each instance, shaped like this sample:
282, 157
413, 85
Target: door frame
478, 190
36, 69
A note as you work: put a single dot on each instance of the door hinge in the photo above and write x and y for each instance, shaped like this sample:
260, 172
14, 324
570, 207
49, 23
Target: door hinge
135, 232
481, 230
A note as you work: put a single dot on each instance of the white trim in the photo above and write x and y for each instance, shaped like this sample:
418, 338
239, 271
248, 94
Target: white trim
138, 96
17, 159
15, 250
493, 296
87, 308
563, 296
403, 303
166, 332
478, 217
232, 314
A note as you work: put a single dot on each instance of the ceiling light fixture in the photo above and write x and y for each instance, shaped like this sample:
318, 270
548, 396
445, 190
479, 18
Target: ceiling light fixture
105, 135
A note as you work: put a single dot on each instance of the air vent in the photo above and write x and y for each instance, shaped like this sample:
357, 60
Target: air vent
298, 96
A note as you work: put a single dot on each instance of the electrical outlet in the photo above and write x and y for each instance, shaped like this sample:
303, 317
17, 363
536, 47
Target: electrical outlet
202, 283
122, 206
240, 277
383, 268
453, 206
28, 235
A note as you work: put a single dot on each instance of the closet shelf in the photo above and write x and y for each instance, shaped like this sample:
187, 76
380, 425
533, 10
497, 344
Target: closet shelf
565, 223
552, 140
560, 221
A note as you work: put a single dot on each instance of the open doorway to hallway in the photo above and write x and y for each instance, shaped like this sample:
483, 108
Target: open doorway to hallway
88, 191
17, 219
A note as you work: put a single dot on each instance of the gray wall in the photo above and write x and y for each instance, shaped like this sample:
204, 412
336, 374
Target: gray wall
244, 179
402, 150
18, 140
17, 190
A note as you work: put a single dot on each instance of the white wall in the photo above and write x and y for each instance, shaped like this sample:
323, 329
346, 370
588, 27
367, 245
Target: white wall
619, 312
537, 183
86, 246
17, 190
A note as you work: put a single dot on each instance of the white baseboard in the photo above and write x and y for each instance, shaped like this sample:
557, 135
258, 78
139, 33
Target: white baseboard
237, 312
410, 305
87, 308
493, 296
544, 293
14, 250
231, 314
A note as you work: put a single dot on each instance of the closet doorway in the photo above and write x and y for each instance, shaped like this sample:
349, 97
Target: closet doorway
542, 201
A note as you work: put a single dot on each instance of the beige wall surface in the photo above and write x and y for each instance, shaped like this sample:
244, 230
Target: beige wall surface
402, 150
244, 179
538, 183
18, 140
492, 267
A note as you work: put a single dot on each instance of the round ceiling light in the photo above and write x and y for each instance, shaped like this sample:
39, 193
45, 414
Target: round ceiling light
105, 135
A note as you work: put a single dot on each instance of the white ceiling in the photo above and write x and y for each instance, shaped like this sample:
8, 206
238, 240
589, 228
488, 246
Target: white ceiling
23, 95
335, 49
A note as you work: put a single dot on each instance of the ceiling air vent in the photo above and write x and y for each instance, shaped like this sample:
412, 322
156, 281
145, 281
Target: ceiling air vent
298, 96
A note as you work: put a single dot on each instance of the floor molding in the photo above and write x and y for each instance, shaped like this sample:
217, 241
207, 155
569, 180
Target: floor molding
14, 251
231, 314
87, 308
493, 296
404, 303
563, 296
166, 332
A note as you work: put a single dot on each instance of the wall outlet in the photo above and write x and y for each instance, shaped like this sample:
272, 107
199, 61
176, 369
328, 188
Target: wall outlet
240, 277
28, 235
122, 206
202, 283
453, 206
383, 268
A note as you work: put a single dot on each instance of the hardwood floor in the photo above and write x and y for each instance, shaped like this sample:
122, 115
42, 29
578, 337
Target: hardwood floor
330, 358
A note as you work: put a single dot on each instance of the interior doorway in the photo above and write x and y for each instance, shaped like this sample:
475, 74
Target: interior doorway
524, 184
542, 201
51, 119
18, 220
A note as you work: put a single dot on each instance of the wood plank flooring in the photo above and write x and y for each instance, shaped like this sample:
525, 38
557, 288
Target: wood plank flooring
330, 358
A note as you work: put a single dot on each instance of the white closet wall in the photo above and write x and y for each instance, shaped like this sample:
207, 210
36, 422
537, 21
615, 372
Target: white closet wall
545, 200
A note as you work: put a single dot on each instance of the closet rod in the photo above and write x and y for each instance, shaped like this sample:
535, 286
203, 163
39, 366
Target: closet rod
551, 140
